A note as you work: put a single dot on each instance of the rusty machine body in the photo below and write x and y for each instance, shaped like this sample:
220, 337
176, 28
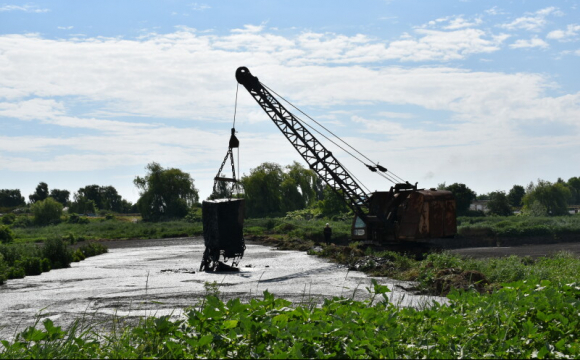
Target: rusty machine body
404, 214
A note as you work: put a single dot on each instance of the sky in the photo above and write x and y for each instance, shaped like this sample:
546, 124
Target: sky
485, 93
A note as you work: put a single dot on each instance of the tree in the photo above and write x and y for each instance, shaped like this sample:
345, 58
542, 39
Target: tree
553, 197
11, 198
333, 203
104, 197
463, 197
516, 195
6, 237
165, 193
574, 186
47, 211
262, 190
221, 190
498, 204
40, 193
62, 196
483, 196
306, 181
82, 205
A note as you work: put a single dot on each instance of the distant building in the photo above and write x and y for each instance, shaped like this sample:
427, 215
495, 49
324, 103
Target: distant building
479, 205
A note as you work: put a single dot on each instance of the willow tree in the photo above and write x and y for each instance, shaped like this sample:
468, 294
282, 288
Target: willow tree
165, 193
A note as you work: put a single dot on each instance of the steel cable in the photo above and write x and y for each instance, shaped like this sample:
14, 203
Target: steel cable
336, 136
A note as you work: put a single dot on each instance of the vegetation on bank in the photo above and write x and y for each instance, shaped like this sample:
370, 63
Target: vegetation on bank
518, 226
20, 260
524, 319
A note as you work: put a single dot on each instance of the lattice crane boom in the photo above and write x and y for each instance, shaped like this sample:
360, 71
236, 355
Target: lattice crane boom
319, 159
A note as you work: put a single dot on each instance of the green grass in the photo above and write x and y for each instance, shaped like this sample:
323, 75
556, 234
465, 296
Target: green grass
518, 226
25, 259
532, 319
109, 229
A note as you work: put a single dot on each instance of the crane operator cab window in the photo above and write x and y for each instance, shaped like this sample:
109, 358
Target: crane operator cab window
359, 227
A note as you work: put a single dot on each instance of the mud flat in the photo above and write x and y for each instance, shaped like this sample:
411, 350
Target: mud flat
159, 277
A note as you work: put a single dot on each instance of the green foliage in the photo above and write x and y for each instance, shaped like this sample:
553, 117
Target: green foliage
62, 196
165, 193
11, 198
533, 319
574, 186
519, 226
82, 205
104, 198
271, 190
194, 215
516, 195
463, 197
333, 203
262, 190
6, 235
498, 204
8, 219
57, 252
122, 228
22, 222
554, 197
40, 194
46, 211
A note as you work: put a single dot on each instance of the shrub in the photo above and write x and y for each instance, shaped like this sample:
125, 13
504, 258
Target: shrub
47, 211
6, 235
8, 219
22, 222
73, 218
57, 252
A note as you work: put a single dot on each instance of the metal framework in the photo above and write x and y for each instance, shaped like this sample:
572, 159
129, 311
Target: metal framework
319, 159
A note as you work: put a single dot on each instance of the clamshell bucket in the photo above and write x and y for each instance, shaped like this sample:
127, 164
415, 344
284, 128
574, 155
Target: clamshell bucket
223, 222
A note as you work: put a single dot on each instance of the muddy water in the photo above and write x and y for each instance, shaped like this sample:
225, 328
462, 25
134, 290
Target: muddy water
157, 277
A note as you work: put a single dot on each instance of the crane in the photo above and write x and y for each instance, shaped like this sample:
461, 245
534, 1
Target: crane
402, 214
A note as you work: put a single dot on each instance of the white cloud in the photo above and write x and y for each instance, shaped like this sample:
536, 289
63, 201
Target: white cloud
532, 21
190, 76
64, 27
25, 8
569, 34
453, 22
531, 43
494, 11
199, 7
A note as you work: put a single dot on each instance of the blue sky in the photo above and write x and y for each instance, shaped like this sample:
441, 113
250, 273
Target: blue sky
480, 92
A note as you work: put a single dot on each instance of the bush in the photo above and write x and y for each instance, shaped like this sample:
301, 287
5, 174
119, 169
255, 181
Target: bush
8, 219
22, 222
73, 218
47, 211
57, 252
6, 235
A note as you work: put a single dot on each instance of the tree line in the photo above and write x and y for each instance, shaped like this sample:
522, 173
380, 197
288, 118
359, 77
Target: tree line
542, 198
270, 190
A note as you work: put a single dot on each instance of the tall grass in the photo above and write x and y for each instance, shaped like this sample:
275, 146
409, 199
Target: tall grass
519, 226
109, 229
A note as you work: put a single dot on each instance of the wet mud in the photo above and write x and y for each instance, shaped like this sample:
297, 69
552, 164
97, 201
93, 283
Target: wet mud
161, 277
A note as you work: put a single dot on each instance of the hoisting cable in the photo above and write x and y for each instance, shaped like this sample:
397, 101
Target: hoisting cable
347, 144
236, 105
384, 175
233, 127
